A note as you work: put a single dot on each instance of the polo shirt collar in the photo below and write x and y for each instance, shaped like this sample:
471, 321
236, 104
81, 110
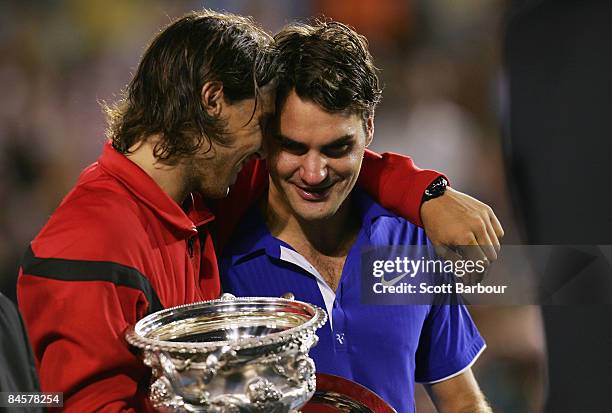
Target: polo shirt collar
258, 241
369, 209
262, 240
143, 187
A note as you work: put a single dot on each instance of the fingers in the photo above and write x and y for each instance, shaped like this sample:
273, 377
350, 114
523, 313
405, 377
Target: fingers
470, 259
466, 226
472, 244
477, 251
487, 239
487, 245
459, 257
474, 250
447, 253
497, 227
493, 236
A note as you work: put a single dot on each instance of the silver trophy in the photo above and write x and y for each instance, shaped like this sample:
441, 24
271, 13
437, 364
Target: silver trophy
231, 354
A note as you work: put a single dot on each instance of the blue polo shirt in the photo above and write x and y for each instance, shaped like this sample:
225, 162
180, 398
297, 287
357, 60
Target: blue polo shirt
386, 348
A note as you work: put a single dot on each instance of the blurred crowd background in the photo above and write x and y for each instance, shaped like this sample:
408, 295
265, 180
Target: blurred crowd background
440, 61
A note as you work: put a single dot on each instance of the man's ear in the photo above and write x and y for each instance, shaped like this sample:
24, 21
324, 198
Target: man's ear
369, 130
212, 98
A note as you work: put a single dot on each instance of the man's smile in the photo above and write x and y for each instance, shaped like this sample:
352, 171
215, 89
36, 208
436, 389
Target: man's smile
313, 194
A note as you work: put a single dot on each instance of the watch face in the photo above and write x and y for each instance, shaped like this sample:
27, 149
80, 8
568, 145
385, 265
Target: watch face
435, 189
337, 394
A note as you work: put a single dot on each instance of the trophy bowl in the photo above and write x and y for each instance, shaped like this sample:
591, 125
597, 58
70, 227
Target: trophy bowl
230, 354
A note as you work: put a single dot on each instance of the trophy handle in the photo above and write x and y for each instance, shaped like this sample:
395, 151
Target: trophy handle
227, 297
288, 296
214, 362
169, 368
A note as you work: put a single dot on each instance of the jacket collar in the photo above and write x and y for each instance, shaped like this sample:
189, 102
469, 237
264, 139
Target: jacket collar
143, 187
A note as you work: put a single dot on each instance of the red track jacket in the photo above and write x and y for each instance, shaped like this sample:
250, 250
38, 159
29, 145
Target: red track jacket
118, 248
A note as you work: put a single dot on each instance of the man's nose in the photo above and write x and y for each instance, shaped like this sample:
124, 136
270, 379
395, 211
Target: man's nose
313, 170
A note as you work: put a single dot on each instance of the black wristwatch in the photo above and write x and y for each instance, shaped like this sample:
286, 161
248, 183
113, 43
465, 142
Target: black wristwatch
435, 189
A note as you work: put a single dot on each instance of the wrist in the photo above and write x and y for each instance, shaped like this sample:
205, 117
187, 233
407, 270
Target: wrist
435, 189
431, 209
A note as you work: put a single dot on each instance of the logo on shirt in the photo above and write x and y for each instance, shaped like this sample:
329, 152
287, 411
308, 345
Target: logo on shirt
392, 281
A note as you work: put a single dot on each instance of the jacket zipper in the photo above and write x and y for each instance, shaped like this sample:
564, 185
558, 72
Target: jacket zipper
190, 242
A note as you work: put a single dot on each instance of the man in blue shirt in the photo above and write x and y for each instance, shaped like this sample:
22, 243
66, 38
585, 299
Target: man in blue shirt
307, 235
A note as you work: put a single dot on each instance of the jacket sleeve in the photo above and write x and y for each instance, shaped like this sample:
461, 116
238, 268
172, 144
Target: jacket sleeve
77, 332
392, 179
396, 183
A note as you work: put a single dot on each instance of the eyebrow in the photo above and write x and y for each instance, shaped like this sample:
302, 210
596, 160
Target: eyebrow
343, 140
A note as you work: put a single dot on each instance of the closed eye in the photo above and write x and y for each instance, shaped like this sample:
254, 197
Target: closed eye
291, 146
337, 151
339, 147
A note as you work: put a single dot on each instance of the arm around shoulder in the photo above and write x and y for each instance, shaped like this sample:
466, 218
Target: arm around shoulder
396, 183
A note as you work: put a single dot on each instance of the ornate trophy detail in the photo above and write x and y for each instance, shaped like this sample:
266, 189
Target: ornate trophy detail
262, 393
231, 354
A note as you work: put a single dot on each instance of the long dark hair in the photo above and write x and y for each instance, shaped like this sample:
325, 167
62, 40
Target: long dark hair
164, 95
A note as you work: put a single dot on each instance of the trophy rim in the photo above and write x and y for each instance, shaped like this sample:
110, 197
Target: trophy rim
136, 339
333, 391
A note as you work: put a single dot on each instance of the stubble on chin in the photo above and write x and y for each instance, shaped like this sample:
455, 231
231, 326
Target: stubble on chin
205, 182
195, 179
